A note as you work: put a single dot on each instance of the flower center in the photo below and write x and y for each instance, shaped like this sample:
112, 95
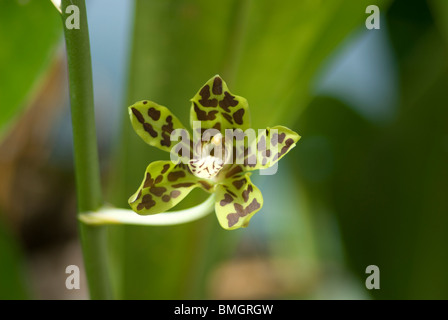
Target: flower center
209, 158
206, 167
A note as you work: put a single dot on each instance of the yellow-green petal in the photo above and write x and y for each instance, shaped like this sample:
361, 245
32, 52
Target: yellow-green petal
269, 147
216, 107
164, 185
237, 200
154, 124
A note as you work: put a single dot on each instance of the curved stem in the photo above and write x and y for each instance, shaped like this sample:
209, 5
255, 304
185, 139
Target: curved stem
125, 216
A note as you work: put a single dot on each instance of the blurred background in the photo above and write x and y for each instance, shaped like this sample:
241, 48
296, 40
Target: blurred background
366, 185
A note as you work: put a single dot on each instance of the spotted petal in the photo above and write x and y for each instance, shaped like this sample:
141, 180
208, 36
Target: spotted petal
154, 124
217, 108
237, 201
269, 147
165, 184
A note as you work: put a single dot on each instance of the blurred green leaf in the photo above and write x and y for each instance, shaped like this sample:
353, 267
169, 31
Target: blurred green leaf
387, 185
439, 9
28, 34
284, 47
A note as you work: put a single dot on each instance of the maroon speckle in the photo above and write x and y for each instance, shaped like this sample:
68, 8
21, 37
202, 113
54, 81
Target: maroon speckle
138, 115
217, 86
238, 116
175, 193
173, 176
154, 114
165, 168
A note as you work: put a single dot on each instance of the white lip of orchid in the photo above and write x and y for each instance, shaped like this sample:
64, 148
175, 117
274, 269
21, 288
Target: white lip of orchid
207, 167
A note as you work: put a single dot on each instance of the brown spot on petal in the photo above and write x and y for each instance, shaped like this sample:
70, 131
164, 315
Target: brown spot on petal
147, 202
228, 101
138, 115
149, 182
239, 183
238, 116
217, 86
183, 185
205, 184
175, 193
206, 101
165, 168
203, 115
246, 192
168, 127
148, 128
205, 92
158, 191
281, 137
173, 176
235, 170
154, 114
227, 199
228, 117
230, 192
288, 144
254, 205
233, 218
166, 198
158, 179
166, 142
217, 126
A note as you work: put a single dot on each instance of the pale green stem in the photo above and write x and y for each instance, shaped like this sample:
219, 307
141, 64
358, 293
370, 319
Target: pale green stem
123, 216
88, 187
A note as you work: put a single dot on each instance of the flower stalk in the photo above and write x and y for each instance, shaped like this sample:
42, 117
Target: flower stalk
125, 216
88, 186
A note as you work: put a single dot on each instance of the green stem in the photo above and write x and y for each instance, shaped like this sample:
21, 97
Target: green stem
88, 186
83, 118
94, 248
125, 216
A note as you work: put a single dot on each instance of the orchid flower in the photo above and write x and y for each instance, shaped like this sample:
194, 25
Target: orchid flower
219, 159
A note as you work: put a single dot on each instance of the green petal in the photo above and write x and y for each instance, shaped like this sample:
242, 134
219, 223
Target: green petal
237, 201
164, 185
217, 108
154, 124
269, 147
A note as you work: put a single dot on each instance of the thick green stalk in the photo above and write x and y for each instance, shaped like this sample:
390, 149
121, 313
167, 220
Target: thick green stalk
88, 186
